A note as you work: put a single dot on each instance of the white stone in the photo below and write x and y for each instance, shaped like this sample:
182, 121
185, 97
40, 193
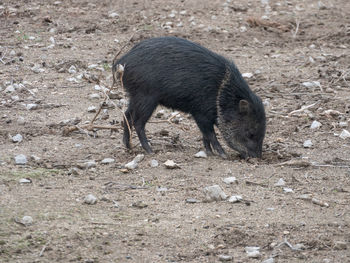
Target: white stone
230, 180
311, 84
92, 109
52, 40
247, 75
21, 159
15, 98
201, 154
92, 66
27, 220
251, 249
154, 163
214, 193
72, 79
108, 161
72, 69
170, 164
253, 252
280, 182
269, 260
134, 163
24, 181
343, 124
113, 15
87, 164
235, 198
131, 165
288, 190
307, 144
37, 69
344, 134
90, 199
243, 29
32, 106
17, 138
35, 158
315, 125
94, 96
9, 89
225, 258
139, 158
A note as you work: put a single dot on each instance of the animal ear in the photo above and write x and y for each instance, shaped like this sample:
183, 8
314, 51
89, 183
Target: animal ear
244, 107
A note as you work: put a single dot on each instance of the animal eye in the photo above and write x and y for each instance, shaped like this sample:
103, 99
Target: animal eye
251, 135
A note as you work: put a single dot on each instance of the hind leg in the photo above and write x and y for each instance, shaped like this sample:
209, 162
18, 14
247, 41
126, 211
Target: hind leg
128, 123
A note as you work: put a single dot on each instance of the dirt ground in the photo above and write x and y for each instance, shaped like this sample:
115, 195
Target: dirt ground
298, 54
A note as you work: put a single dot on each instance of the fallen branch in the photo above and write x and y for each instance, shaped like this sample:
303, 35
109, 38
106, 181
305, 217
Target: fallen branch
257, 22
303, 108
43, 249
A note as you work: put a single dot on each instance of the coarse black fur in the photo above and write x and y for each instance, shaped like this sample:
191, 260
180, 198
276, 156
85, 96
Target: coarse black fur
185, 76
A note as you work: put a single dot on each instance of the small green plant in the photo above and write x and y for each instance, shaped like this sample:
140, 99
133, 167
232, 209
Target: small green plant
106, 66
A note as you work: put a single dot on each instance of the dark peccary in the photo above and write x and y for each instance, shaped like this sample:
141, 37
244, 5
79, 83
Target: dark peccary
185, 76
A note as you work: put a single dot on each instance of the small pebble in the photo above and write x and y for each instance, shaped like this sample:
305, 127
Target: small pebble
170, 164
280, 182
243, 29
214, 193
307, 144
305, 197
31, 106
52, 39
251, 249
27, 220
15, 98
134, 163
37, 69
344, 134
72, 69
92, 109
315, 125
269, 260
162, 189
254, 254
343, 124
90, 199
113, 15
225, 258
201, 154
131, 165
247, 75
87, 164
17, 138
311, 84
235, 198
230, 180
288, 190
25, 181
108, 161
35, 158
154, 163
9, 89
192, 200
21, 159
299, 246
